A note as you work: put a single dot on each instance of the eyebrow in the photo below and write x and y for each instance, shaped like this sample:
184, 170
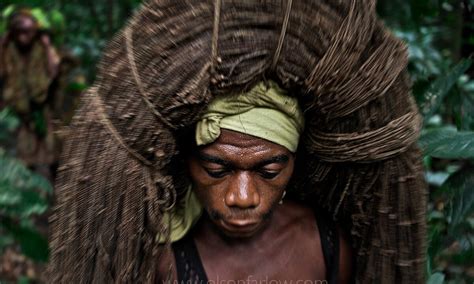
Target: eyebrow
279, 159
213, 159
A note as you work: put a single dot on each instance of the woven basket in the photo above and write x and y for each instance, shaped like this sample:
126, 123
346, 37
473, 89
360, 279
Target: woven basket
121, 167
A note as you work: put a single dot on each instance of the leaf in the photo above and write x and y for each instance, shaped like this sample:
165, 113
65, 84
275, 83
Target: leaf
436, 178
434, 96
57, 19
77, 86
8, 196
447, 143
460, 186
22, 192
16, 175
42, 18
435, 241
31, 242
8, 11
436, 278
21, 204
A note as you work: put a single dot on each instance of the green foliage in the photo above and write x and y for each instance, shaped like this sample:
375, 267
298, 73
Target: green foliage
90, 24
425, 60
8, 123
436, 278
50, 20
23, 195
433, 98
448, 143
445, 95
21, 190
460, 187
449, 151
31, 242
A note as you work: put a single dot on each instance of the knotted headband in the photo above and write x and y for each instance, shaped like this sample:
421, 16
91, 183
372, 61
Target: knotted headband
266, 111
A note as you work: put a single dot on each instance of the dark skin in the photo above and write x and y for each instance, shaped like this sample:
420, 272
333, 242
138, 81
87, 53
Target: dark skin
246, 234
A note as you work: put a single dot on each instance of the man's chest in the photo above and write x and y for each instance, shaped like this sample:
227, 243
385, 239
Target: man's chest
298, 245
295, 260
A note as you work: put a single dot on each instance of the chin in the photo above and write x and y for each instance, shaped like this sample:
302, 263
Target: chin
238, 231
237, 235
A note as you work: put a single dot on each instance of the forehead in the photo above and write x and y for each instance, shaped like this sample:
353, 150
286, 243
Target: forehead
236, 146
24, 22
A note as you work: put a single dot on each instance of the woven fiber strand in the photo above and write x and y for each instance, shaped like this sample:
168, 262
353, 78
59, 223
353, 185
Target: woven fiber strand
121, 168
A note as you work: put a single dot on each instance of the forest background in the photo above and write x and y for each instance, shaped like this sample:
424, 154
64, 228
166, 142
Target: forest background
440, 37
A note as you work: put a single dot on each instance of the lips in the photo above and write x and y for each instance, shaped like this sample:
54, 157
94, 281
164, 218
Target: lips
241, 223
240, 226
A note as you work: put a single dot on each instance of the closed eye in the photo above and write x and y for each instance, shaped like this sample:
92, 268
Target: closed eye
216, 173
268, 174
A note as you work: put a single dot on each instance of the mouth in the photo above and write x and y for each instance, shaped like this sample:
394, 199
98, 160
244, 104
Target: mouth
240, 227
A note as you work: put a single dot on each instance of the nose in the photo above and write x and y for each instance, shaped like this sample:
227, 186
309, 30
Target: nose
242, 192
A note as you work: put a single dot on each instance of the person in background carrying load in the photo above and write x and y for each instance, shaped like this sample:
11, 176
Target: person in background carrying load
28, 66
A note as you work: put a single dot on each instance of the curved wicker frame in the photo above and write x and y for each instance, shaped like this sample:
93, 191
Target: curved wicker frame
121, 170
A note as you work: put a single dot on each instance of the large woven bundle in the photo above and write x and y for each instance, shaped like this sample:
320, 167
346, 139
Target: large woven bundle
121, 168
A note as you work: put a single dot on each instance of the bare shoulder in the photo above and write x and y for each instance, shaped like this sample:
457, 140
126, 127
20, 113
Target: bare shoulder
300, 214
166, 267
295, 212
345, 257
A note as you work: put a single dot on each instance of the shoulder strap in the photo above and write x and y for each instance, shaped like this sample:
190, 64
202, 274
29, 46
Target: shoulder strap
330, 245
188, 262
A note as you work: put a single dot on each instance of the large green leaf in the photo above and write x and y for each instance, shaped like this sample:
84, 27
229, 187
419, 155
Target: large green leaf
434, 96
448, 143
459, 187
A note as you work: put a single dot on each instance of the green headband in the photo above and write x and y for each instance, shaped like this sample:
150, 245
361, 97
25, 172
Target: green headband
266, 111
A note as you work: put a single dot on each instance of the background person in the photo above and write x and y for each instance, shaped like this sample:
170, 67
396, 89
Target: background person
28, 66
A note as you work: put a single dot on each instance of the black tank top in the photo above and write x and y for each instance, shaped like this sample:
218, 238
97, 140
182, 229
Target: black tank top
191, 271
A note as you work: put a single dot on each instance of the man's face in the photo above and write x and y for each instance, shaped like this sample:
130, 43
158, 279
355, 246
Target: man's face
239, 179
24, 30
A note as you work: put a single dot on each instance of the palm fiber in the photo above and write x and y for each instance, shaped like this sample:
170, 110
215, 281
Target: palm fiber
121, 168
